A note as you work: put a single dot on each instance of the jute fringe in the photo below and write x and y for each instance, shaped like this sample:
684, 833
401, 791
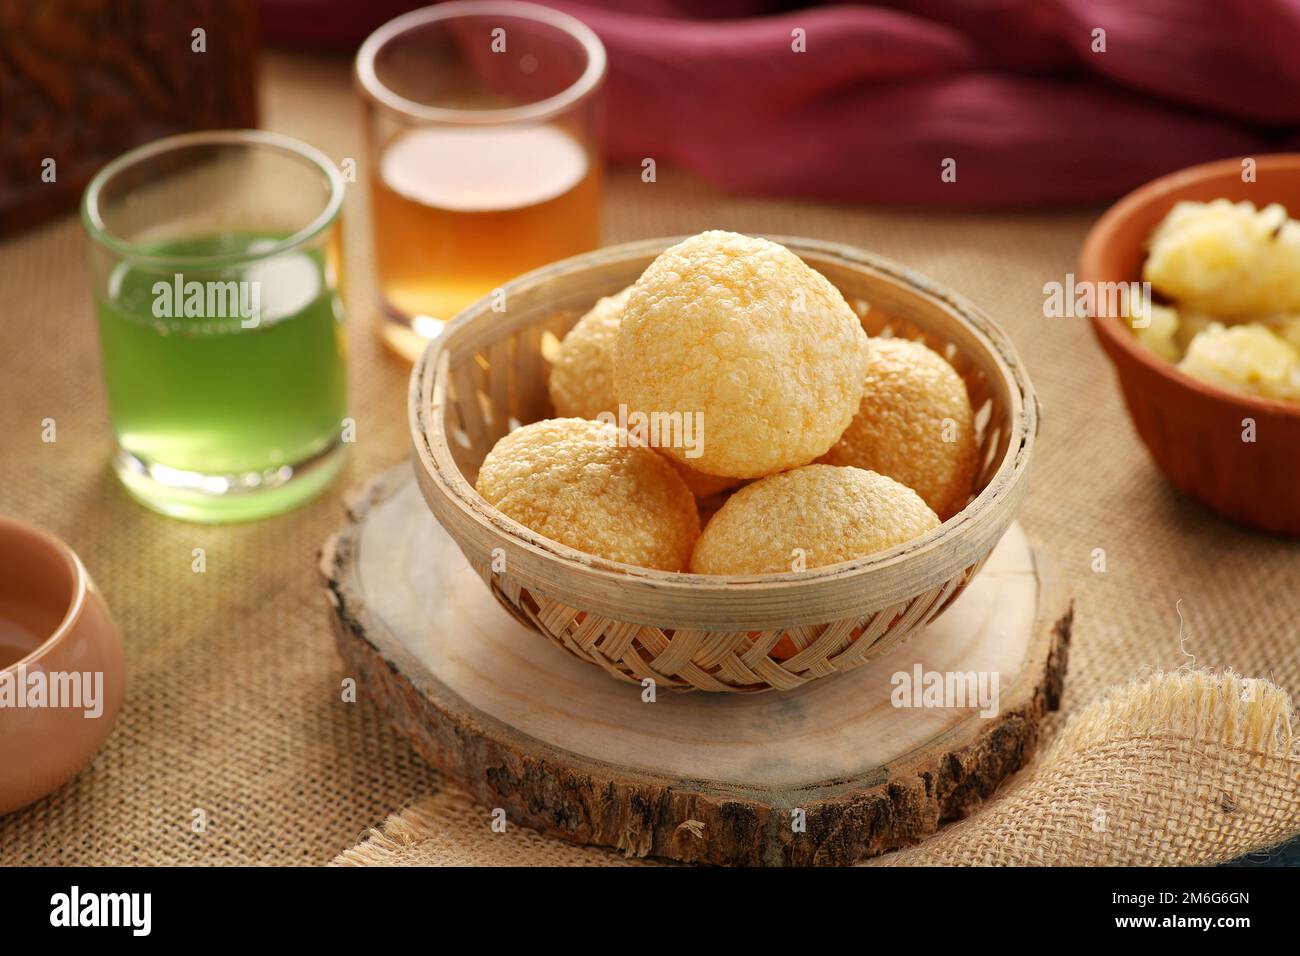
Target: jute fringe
1227, 710
1188, 767
1185, 768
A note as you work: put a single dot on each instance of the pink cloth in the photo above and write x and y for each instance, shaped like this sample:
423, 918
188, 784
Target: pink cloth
1009, 89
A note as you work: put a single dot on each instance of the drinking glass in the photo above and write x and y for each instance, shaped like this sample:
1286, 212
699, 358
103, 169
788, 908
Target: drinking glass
214, 259
485, 141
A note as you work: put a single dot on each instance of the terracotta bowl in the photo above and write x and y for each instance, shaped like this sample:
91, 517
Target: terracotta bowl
1194, 430
55, 632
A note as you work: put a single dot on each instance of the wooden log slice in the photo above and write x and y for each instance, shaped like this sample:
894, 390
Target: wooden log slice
826, 774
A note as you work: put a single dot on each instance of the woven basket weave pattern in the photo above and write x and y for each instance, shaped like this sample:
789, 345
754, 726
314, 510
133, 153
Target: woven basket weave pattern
488, 375
720, 660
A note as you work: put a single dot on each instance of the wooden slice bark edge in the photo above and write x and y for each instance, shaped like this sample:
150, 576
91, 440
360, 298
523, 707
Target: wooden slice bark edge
592, 802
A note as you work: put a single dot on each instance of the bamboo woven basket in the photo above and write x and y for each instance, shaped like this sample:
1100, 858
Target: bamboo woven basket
487, 374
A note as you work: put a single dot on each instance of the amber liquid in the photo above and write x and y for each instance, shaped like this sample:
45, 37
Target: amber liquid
459, 212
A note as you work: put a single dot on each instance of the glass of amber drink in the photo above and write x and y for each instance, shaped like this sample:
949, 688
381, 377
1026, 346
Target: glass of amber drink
485, 154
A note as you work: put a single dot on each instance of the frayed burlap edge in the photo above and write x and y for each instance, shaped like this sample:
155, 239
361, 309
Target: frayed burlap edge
1183, 768
1236, 712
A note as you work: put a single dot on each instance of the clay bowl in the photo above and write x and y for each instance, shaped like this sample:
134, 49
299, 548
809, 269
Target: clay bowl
55, 632
1194, 430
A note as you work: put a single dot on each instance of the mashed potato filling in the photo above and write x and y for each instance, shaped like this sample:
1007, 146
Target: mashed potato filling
1247, 357
1231, 276
1228, 260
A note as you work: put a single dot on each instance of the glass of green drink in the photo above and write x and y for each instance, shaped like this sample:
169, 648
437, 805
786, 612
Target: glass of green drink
215, 262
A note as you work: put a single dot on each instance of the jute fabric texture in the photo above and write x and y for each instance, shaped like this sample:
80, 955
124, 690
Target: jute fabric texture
234, 705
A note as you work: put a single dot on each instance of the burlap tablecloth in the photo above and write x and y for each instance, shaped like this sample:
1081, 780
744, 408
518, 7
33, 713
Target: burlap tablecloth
233, 703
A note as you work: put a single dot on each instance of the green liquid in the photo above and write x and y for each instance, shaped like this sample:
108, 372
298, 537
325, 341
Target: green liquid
203, 395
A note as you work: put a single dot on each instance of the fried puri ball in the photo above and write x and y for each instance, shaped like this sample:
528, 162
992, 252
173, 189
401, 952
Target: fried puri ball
582, 378
809, 517
582, 381
743, 331
915, 425
591, 486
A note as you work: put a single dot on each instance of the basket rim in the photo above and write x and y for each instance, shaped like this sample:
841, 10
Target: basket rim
432, 456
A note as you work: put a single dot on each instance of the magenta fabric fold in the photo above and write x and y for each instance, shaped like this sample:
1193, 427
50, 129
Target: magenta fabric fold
1014, 93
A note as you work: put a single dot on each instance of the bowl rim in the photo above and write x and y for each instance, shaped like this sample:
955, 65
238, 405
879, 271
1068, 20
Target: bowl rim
1113, 335
1005, 487
14, 534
